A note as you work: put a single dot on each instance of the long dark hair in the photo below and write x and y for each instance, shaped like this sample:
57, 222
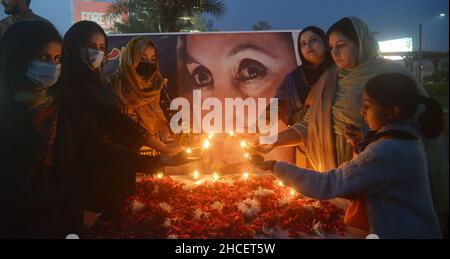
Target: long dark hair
312, 74
346, 27
80, 82
319, 32
399, 90
18, 47
74, 39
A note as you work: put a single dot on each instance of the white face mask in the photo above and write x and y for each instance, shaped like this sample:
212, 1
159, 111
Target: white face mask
43, 74
95, 57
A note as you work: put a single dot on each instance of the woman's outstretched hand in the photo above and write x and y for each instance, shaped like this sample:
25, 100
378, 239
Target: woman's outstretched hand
262, 148
166, 148
353, 134
258, 161
165, 134
178, 159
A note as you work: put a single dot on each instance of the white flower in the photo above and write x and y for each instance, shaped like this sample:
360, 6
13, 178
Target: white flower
249, 207
172, 236
269, 231
188, 187
165, 207
227, 181
167, 223
314, 205
198, 213
262, 192
218, 206
137, 206
283, 202
317, 228
317, 205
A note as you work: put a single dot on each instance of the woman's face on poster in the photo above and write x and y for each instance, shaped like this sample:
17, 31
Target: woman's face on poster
238, 65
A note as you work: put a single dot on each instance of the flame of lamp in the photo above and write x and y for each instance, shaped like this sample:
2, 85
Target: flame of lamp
206, 144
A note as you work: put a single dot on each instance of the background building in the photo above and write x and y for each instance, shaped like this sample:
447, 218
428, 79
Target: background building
96, 11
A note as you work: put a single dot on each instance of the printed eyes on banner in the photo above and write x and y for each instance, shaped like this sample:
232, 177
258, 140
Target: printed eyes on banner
114, 54
203, 77
250, 69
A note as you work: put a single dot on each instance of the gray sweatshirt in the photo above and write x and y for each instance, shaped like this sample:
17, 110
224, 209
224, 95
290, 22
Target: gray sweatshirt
390, 174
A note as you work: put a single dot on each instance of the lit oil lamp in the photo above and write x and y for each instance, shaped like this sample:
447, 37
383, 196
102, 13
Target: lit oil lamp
231, 134
206, 144
216, 176
245, 175
292, 192
189, 150
280, 183
196, 175
243, 144
159, 175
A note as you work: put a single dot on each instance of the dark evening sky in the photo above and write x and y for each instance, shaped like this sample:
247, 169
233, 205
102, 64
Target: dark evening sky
390, 18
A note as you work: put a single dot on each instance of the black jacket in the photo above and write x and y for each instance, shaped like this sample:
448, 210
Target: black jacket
93, 101
41, 203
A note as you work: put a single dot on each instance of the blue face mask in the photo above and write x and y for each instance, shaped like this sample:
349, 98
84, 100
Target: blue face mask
43, 74
95, 57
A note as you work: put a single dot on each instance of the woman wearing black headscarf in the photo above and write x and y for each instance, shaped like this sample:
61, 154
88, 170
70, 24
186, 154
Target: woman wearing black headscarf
91, 98
47, 144
85, 45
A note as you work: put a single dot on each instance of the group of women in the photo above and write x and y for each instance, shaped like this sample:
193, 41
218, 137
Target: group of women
71, 137
322, 101
68, 146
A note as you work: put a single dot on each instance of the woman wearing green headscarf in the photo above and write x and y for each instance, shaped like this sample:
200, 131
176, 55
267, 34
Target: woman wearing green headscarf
336, 101
138, 84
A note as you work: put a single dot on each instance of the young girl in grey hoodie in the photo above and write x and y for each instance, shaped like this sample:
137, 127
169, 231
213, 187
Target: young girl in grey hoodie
390, 171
